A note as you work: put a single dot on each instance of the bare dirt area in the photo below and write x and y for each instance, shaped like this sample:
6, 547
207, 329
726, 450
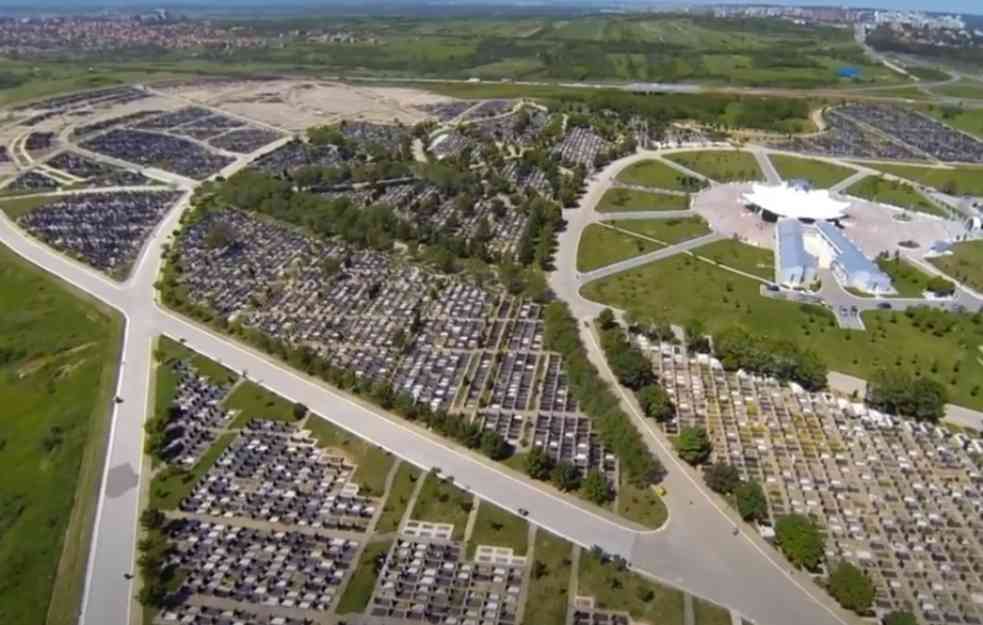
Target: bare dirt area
296, 105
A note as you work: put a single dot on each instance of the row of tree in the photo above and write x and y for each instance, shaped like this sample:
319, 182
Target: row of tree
780, 358
897, 391
596, 399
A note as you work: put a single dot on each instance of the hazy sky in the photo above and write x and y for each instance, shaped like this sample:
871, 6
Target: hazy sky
955, 6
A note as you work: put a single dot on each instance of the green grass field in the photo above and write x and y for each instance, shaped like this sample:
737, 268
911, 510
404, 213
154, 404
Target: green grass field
252, 401
956, 181
500, 528
601, 246
664, 290
440, 501
658, 175
821, 174
720, 165
624, 590
964, 88
15, 208
756, 261
398, 498
967, 120
894, 193
373, 463
546, 603
169, 350
908, 280
58, 355
706, 613
668, 231
641, 506
358, 591
965, 264
621, 200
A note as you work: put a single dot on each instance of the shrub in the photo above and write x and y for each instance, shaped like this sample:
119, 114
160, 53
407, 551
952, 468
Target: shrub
693, 445
800, 540
752, 504
851, 587
722, 478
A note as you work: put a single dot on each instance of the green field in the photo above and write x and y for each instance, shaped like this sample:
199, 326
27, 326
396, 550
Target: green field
720, 165
667, 231
965, 264
619, 200
967, 120
373, 463
756, 261
908, 280
821, 174
440, 501
546, 603
894, 193
624, 590
601, 246
398, 498
963, 88
500, 528
663, 290
358, 591
252, 401
706, 613
641, 506
15, 208
58, 355
658, 175
169, 350
955, 181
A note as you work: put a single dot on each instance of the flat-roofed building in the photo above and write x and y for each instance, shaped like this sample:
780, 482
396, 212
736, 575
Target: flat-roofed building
794, 266
850, 266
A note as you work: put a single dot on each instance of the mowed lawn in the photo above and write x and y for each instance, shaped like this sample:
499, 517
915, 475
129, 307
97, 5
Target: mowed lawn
908, 280
682, 288
440, 501
499, 528
894, 193
756, 261
821, 174
720, 165
601, 246
372, 463
251, 401
58, 363
620, 200
645, 600
548, 592
668, 231
955, 181
658, 175
965, 264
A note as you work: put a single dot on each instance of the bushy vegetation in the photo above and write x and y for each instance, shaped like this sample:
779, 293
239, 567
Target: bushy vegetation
780, 358
597, 400
899, 392
801, 540
693, 445
851, 587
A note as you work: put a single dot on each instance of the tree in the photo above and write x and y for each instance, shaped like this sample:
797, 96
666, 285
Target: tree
565, 476
722, 478
752, 504
851, 587
596, 488
800, 540
300, 411
656, 402
897, 392
538, 464
152, 518
606, 319
900, 618
693, 445
494, 446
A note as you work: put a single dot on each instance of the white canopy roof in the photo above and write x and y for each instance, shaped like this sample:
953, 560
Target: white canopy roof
787, 201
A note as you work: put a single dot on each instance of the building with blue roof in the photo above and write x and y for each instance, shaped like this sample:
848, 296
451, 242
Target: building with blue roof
850, 266
794, 266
